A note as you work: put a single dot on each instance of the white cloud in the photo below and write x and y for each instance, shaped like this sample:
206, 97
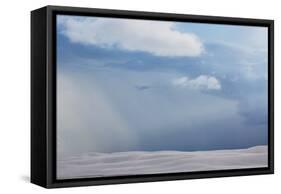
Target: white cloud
158, 38
201, 82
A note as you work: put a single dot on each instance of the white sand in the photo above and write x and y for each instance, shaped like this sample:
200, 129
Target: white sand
137, 162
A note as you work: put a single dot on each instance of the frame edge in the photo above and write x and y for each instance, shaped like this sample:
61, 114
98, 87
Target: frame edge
38, 97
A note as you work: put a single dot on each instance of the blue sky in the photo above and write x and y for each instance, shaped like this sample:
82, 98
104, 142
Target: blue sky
128, 84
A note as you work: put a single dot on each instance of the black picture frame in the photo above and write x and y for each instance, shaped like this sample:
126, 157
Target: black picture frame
43, 96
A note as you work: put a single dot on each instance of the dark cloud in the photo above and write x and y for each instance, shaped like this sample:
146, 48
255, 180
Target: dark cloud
142, 87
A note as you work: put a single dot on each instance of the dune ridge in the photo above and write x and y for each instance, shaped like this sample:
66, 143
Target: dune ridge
142, 162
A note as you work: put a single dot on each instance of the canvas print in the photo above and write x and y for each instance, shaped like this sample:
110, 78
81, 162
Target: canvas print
138, 97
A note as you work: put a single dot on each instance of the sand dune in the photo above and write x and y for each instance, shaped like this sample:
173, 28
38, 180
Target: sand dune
137, 162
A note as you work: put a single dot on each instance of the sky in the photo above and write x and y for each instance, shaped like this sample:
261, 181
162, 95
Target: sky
144, 85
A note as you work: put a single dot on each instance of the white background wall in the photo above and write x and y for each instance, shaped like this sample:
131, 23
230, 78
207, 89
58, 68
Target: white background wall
15, 95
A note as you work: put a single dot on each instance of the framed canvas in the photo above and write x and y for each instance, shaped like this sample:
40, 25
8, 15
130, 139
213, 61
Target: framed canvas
127, 96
